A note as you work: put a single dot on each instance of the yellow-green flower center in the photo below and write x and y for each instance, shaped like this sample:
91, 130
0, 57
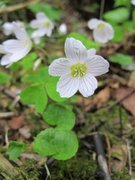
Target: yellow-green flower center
78, 70
47, 24
101, 26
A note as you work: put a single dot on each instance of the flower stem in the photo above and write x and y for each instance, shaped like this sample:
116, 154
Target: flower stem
102, 5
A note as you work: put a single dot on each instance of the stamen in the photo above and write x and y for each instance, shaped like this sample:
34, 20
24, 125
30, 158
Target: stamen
78, 70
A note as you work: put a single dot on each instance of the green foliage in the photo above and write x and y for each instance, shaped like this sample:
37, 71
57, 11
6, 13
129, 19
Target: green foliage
118, 15
52, 12
122, 3
28, 61
121, 59
123, 174
35, 95
4, 78
51, 89
41, 77
87, 42
15, 149
59, 116
58, 143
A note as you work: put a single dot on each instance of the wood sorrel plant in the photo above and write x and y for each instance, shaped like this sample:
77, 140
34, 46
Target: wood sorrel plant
77, 72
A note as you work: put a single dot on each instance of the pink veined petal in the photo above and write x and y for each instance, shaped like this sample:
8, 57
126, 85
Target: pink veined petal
59, 67
97, 65
67, 86
5, 60
75, 50
92, 23
91, 52
87, 85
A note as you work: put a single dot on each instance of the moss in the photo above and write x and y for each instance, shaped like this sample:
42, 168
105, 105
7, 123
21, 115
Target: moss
122, 175
29, 171
82, 168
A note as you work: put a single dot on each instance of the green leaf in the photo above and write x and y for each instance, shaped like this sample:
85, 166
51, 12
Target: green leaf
52, 12
119, 34
28, 61
4, 78
51, 89
118, 15
58, 143
59, 116
121, 59
122, 3
87, 42
15, 149
35, 95
40, 76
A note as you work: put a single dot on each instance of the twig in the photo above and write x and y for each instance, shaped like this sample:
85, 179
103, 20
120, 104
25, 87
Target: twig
102, 8
122, 99
129, 157
47, 171
6, 114
10, 9
101, 156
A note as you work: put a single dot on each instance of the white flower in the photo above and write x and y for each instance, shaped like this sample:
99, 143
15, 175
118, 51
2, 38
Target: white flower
78, 70
15, 49
133, 2
102, 31
8, 27
43, 25
62, 28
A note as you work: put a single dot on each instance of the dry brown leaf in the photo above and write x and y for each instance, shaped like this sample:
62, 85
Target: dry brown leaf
129, 102
132, 80
16, 122
119, 156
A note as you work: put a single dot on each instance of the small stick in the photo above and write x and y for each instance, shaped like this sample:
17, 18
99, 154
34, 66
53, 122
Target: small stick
129, 157
122, 99
10, 9
6, 114
102, 8
101, 156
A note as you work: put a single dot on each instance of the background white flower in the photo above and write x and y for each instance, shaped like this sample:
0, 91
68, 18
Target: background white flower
43, 25
133, 2
62, 28
8, 27
15, 49
77, 71
102, 31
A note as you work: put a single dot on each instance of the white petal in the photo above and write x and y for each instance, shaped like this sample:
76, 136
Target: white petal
41, 15
75, 50
67, 86
103, 35
91, 52
2, 50
87, 85
59, 67
5, 60
12, 46
97, 65
7, 28
62, 28
19, 32
92, 23
133, 2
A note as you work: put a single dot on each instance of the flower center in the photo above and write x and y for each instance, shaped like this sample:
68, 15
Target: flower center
101, 26
78, 70
47, 24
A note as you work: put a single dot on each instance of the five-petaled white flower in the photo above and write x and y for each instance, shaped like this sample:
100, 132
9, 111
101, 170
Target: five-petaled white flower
8, 27
102, 31
133, 2
15, 49
77, 71
43, 25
